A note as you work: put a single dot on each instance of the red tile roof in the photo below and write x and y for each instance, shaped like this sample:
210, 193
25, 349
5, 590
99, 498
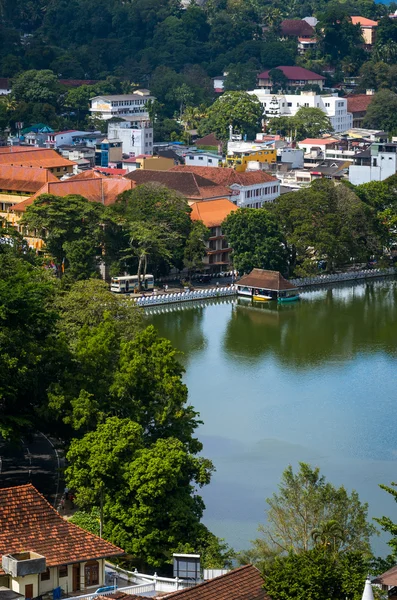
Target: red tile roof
294, 73
188, 183
97, 173
208, 140
101, 189
364, 22
318, 141
269, 280
5, 83
24, 179
212, 212
245, 583
37, 157
358, 102
29, 523
296, 27
226, 176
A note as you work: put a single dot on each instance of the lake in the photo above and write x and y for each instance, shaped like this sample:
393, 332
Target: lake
312, 381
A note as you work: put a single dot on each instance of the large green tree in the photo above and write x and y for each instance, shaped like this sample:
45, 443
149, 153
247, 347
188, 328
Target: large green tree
326, 222
382, 112
36, 86
301, 511
256, 240
72, 229
240, 110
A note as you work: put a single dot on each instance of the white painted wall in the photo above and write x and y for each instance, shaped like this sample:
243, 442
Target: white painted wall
255, 196
289, 104
202, 160
135, 141
382, 166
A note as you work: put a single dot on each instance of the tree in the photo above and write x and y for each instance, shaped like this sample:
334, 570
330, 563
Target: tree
195, 248
72, 229
241, 76
30, 351
146, 494
239, 109
382, 112
326, 222
315, 574
36, 86
328, 536
297, 513
278, 79
256, 240
386, 523
382, 197
311, 122
339, 37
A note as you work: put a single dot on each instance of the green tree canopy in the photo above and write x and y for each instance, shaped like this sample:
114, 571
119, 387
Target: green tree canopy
36, 86
382, 112
256, 240
239, 109
195, 248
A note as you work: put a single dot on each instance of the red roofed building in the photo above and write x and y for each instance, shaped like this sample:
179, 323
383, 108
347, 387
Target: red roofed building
368, 29
19, 156
19, 183
40, 551
245, 583
297, 28
357, 104
212, 214
189, 184
297, 78
250, 189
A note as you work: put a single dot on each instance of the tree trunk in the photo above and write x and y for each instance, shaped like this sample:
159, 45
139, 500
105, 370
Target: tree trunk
139, 272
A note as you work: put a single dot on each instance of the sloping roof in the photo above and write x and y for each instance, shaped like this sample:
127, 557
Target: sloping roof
213, 212
29, 523
269, 280
358, 102
293, 73
245, 583
389, 577
77, 82
187, 183
364, 22
38, 157
24, 179
208, 140
225, 175
102, 189
296, 27
318, 141
96, 173
5, 83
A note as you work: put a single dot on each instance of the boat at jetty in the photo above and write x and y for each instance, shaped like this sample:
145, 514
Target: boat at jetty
263, 286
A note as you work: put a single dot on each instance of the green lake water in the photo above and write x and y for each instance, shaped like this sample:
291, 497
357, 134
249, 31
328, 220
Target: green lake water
312, 381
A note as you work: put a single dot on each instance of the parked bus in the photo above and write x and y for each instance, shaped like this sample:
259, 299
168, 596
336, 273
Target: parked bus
129, 284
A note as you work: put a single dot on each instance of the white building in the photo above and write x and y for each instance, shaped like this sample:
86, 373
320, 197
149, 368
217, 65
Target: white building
63, 138
203, 159
287, 105
135, 140
376, 163
123, 105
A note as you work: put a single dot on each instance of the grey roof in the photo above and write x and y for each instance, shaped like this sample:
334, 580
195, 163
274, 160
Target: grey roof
116, 97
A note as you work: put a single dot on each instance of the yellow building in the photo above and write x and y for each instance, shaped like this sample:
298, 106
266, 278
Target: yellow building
239, 160
148, 163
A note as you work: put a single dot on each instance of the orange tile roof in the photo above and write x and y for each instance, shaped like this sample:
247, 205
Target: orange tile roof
103, 190
227, 176
364, 22
245, 583
212, 212
37, 157
29, 523
97, 173
24, 179
318, 141
11, 149
358, 102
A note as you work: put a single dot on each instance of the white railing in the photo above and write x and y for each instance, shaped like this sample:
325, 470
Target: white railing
156, 299
159, 584
340, 277
130, 589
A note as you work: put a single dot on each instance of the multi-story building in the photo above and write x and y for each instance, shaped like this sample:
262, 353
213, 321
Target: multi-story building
24, 156
61, 138
123, 105
368, 29
212, 214
287, 105
297, 77
202, 158
251, 189
135, 140
376, 163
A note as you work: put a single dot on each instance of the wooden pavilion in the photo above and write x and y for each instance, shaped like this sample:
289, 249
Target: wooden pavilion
261, 286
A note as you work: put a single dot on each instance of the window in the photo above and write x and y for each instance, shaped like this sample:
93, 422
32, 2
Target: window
201, 158
210, 160
289, 103
91, 573
327, 104
46, 575
63, 571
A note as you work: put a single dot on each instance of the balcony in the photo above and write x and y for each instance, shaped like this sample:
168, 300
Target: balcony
23, 563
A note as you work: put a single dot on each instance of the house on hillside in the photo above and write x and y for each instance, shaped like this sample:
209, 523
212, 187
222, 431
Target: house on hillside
41, 552
302, 31
368, 29
357, 105
297, 77
212, 214
251, 189
121, 105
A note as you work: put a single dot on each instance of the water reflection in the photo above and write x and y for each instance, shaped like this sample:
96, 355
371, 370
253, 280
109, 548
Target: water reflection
327, 325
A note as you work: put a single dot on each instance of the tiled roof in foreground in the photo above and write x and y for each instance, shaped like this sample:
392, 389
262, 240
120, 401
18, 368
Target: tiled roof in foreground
29, 523
245, 583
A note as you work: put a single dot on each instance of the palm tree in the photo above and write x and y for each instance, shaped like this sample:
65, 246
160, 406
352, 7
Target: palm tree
328, 536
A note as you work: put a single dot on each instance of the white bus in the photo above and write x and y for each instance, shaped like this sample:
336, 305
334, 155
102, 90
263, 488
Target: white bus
129, 284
